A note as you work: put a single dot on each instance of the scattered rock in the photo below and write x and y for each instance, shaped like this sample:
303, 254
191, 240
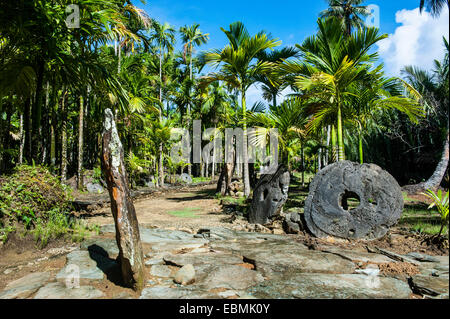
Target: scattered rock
185, 178
422, 257
186, 275
94, 188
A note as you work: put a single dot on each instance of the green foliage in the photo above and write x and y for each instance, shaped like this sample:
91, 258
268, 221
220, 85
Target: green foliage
187, 212
440, 201
35, 200
30, 192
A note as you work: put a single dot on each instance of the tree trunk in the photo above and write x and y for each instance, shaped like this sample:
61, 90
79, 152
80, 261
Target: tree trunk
80, 145
340, 136
160, 166
22, 140
246, 176
435, 180
64, 138
128, 240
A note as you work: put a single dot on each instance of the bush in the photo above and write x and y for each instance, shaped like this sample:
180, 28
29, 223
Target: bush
37, 201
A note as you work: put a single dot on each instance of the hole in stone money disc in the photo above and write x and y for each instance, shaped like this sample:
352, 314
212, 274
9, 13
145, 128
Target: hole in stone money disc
349, 200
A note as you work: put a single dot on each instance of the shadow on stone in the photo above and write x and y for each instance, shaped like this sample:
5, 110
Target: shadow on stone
109, 266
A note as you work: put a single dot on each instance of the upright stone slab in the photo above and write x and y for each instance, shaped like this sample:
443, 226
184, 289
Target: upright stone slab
328, 211
127, 228
269, 196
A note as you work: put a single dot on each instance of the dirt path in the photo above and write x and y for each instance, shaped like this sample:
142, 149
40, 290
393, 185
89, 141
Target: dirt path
192, 209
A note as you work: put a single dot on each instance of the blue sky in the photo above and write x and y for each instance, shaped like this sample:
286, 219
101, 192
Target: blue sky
413, 38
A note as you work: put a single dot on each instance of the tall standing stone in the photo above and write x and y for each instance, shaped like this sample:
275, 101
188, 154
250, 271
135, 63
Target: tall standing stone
127, 228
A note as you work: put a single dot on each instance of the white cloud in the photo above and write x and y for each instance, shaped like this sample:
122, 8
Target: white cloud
417, 41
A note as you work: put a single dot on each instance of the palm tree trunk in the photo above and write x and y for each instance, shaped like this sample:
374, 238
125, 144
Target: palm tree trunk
340, 136
361, 158
303, 165
63, 138
334, 148
22, 140
245, 151
435, 180
80, 144
160, 166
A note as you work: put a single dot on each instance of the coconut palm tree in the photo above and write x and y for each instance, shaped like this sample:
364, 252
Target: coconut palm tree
434, 6
238, 69
331, 64
349, 12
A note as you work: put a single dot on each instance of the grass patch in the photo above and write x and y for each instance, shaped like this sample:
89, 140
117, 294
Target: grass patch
419, 219
200, 179
186, 213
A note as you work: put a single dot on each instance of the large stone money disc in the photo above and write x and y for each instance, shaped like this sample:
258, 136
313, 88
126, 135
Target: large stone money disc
329, 212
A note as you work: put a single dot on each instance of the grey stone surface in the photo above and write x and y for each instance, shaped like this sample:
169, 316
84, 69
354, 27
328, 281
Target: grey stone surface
430, 285
213, 258
58, 290
25, 286
87, 264
231, 277
358, 256
101, 245
159, 292
326, 210
94, 188
185, 275
329, 286
160, 271
185, 178
422, 257
269, 196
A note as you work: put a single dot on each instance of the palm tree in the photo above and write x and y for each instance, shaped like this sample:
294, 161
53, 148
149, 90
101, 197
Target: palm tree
164, 37
238, 70
272, 85
192, 37
331, 65
348, 11
434, 6
288, 118
375, 96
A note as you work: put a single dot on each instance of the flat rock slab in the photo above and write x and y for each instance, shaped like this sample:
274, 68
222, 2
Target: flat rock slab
230, 277
87, 265
326, 286
161, 292
220, 233
58, 290
279, 256
430, 285
201, 259
101, 245
25, 286
358, 255
161, 271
